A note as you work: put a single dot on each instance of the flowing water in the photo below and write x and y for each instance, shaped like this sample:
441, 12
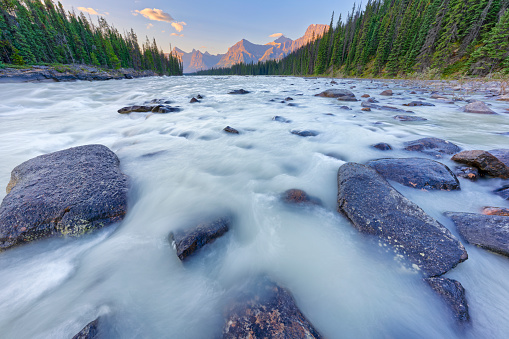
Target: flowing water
183, 167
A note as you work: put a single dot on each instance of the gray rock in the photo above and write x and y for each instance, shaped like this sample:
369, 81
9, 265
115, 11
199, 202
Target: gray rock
231, 130
478, 107
187, 242
239, 91
136, 108
382, 146
418, 103
375, 207
297, 196
453, 293
304, 133
387, 92
281, 119
432, 146
466, 172
408, 118
68, 192
502, 154
503, 192
417, 173
487, 231
340, 94
90, 331
484, 161
267, 311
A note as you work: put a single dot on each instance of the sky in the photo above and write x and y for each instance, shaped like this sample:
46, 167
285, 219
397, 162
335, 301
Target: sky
210, 25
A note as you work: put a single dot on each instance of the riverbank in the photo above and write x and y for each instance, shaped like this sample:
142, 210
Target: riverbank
40, 73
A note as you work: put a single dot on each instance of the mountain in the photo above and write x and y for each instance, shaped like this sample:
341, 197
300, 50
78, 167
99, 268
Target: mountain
246, 52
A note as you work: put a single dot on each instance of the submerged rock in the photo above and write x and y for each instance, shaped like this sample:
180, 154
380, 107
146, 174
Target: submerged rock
90, 331
382, 146
365, 96
165, 109
432, 146
503, 192
387, 92
267, 311
470, 173
229, 129
69, 192
193, 100
129, 109
375, 207
186, 242
487, 231
484, 161
417, 173
418, 103
502, 154
340, 94
408, 118
453, 293
478, 107
488, 210
280, 119
304, 133
297, 196
239, 91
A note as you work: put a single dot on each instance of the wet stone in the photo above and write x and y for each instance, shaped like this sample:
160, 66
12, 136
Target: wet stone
503, 192
297, 196
487, 231
346, 108
501, 154
408, 118
193, 100
90, 331
279, 118
382, 146
304, 133
288, 99
470, 173
239, 91
387, 92
487, 163
478, 107
165, 109
267, 311
453, 293
488, 210
187, 242
366, 109
418, 103
417, 173
432, 146
340, 94
375, 207
231, 130
365, 96
129, 109
69, 192
199, 96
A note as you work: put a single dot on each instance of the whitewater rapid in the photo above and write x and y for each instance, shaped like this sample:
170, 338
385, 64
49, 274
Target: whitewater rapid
182, 166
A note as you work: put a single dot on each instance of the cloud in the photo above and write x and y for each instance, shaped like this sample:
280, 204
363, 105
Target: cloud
88, 10
179, 26
176, 34
149, 26
275, 35
154, 14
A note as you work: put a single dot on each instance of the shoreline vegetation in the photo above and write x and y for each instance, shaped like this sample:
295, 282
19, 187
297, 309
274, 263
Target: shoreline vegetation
40, 32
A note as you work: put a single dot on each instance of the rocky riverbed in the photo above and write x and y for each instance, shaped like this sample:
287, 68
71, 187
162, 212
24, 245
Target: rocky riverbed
266, 206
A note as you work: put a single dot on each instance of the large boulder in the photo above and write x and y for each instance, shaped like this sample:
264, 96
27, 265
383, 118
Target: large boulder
478, 107
487, 231
186, 242
90, 331
340, 94
432, 146
68, 192
486, 163
267, 311
453, 293
375, 207
417, 173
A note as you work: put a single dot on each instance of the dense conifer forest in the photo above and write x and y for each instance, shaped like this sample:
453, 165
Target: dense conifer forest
389, 38
39, 32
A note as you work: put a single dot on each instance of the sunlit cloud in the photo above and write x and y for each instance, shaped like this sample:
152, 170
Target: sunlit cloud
89, 11
149, 26
154, 14
179, 26
275, 35
176, 34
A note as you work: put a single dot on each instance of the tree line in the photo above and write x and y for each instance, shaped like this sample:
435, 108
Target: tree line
402, 37
39, 31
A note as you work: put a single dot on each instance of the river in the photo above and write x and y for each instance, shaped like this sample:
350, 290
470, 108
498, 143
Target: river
182, 166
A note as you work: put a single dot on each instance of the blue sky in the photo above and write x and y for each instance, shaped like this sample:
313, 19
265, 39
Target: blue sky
211, 25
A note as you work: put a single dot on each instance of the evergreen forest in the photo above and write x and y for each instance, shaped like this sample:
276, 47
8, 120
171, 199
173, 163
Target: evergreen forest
41, 32
391, 38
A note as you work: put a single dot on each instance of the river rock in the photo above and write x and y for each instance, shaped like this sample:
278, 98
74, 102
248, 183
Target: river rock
165, 109
387, 92
304, 133
382, 146
280, 119
365, 96
372, 100
453, 293
188, 241
239, 91
503, 192
231, 130
484, 161
90, 331
267, 311
69, 192
432, 146
366, 109
466, 172
478, 107
418, 103
417, 173
129, 109
375, 207
288, 99
487, 231
408, 118
340, 94
502, 154
193, 100
297, 196
199, 96
488, 210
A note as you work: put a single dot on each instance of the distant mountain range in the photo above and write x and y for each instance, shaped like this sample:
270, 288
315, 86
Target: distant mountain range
245, 51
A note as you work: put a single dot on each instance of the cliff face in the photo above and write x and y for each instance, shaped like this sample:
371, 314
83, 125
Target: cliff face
245, 51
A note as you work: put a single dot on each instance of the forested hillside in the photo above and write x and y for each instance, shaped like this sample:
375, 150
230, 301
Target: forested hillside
401, 37
35, 31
